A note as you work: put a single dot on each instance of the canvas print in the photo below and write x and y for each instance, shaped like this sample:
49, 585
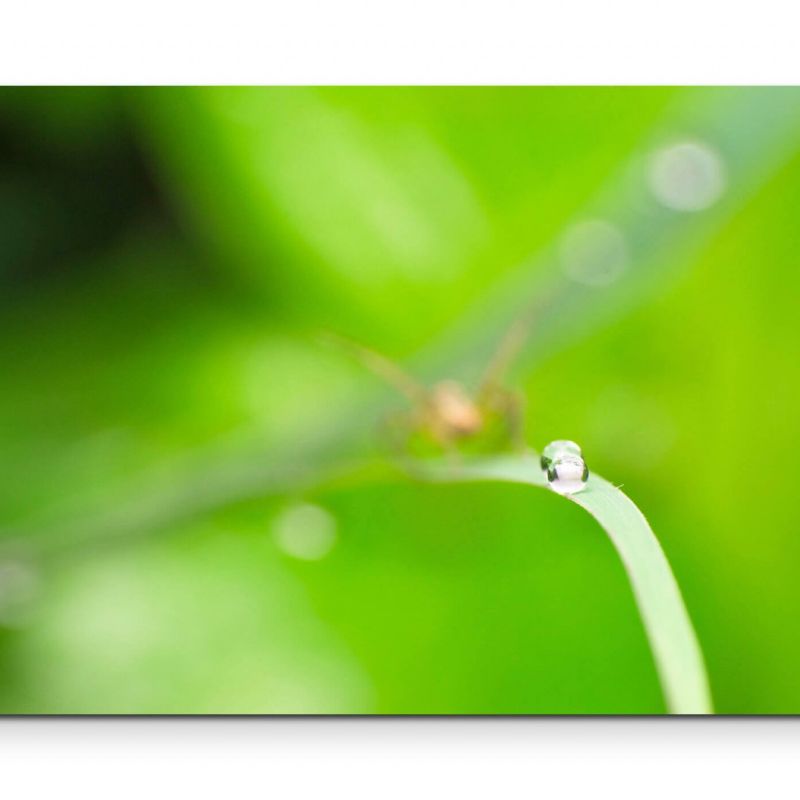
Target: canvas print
399, 400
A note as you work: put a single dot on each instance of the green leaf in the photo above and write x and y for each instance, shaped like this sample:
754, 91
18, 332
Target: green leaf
669, 630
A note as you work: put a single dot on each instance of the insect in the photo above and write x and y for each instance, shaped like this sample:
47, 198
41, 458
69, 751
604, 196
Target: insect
447, 416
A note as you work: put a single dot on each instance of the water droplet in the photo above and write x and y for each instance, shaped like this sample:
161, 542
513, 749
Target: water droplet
560, 447
305, 531
566, 470
567, 474
687, 176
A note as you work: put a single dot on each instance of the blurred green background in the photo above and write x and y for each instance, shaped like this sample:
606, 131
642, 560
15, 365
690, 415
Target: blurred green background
180, 531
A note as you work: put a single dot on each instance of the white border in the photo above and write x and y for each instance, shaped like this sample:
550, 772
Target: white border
396, 758
394, 41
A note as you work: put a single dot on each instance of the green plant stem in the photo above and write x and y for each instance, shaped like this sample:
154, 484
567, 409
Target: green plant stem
669, 630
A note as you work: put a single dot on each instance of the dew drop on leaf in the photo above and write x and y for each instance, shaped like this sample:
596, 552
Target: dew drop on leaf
566, 470
558, 448
567, 474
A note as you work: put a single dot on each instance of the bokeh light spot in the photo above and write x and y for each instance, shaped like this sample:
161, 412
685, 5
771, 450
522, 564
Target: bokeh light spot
305, 531
19, 585
687, 176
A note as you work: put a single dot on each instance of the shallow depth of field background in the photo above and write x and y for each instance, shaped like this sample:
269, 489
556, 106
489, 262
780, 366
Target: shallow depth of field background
167, 257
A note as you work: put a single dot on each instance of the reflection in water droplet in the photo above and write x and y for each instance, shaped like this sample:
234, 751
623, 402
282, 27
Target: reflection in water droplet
567, 472
687, 176
593, 252
305, 531
557, 448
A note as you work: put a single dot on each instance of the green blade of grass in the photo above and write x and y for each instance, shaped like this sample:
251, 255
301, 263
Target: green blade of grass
669, 630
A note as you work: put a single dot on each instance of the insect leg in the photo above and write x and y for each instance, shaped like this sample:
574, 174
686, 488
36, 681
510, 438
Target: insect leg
396, 430
511, 406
